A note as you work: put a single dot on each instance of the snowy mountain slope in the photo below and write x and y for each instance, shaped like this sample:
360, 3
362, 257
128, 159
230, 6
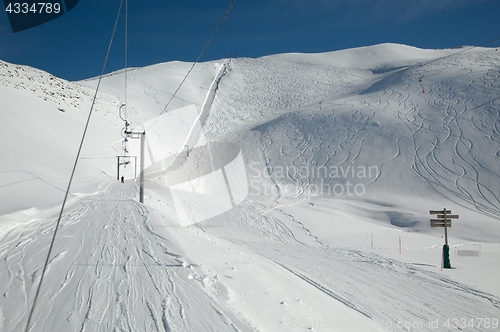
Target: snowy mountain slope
377, 57
43, 119
149, 89
344, 156
293, 115
309, 133
441, 144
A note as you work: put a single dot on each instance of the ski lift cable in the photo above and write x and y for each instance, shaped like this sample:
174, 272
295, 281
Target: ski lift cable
30, 315
424, 63
122, 113
194, 63
427, 62
126, 55
124, 105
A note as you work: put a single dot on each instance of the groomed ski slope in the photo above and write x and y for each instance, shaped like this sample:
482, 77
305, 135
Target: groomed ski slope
298, 254
110, 271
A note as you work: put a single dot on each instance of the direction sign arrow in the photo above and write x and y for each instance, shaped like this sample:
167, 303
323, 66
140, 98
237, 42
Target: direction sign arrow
448, 216
439, 212
440, 224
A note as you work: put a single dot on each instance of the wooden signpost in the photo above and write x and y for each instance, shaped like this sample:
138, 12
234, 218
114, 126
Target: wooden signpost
443, 219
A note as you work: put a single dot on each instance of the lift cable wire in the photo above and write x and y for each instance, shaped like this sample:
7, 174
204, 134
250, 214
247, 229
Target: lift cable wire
194, 63
126, 54
30, 315
461, 51
425, 63
125, 117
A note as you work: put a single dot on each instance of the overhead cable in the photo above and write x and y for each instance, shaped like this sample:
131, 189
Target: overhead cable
30, 315
194, 63
423, 63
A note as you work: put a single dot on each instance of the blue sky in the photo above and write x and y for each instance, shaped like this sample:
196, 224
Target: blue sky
73, 46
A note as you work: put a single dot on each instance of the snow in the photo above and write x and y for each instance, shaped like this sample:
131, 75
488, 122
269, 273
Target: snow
285, 193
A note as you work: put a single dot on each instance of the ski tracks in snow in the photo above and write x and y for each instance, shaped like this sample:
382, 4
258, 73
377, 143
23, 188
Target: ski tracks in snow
386, 291
109, 272
452, 164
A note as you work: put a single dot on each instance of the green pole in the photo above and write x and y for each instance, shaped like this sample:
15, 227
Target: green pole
446, 248
446, 257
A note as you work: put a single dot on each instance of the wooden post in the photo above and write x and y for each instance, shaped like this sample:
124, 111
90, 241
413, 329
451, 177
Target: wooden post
444, 220
445, 228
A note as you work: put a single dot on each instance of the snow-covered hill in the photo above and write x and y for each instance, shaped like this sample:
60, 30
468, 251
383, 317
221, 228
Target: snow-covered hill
313, 212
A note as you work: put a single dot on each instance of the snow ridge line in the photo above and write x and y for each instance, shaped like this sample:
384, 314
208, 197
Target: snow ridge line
196, 127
